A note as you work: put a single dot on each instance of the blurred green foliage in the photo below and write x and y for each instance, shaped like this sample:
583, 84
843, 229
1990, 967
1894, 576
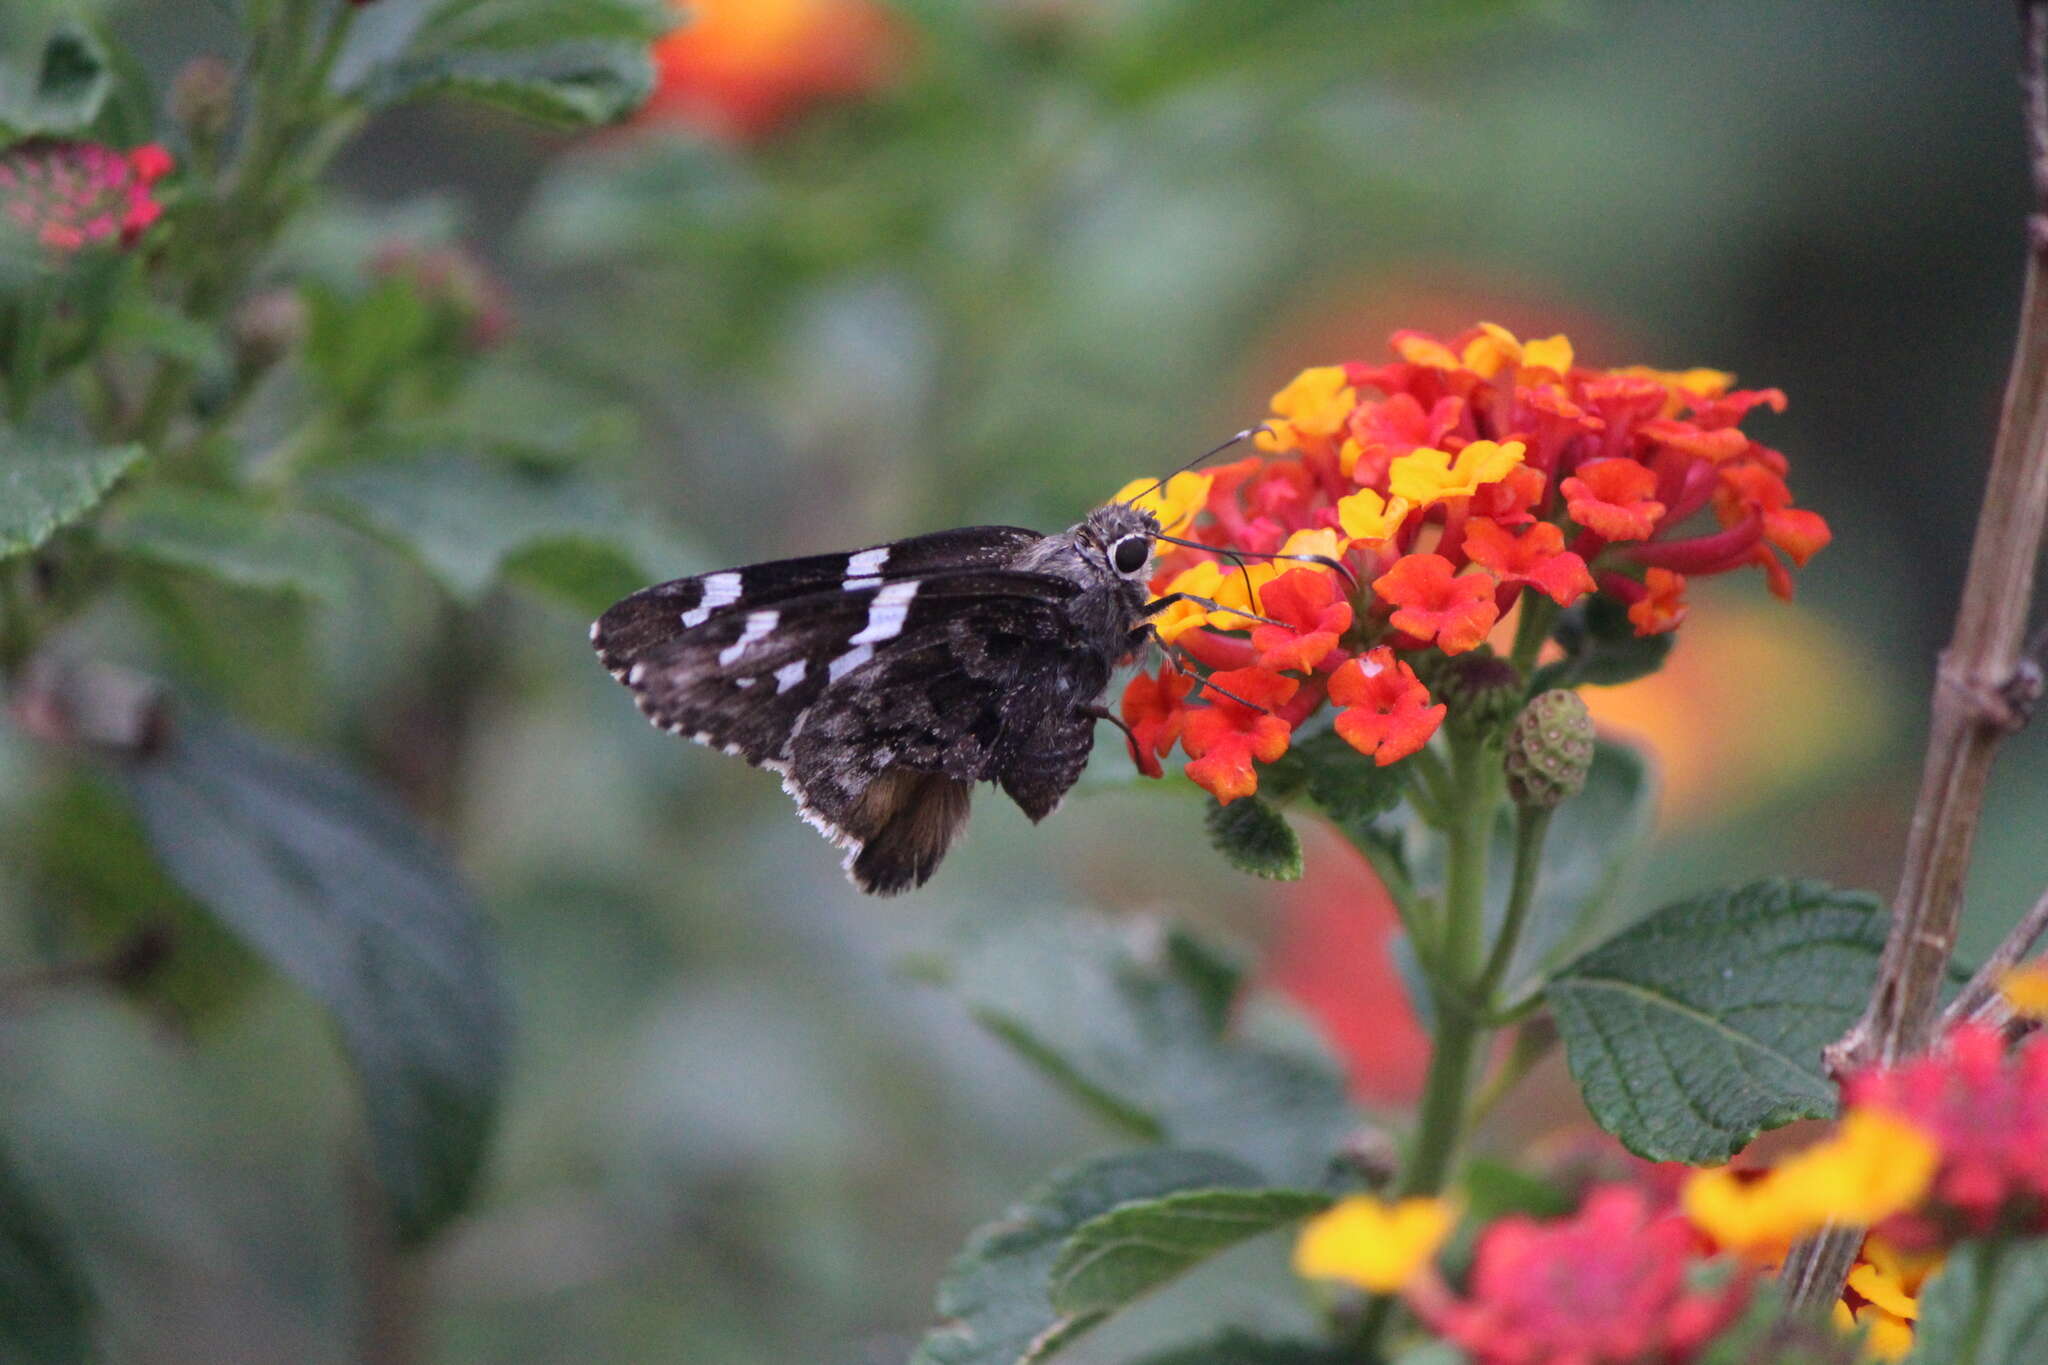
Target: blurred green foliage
272, 459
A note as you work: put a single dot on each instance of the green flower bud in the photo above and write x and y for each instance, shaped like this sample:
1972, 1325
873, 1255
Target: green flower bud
1481, 689
1550, 750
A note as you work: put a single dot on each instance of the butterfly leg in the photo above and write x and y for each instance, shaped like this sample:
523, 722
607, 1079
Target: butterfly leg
1100, 712
1186, 663
1159, 604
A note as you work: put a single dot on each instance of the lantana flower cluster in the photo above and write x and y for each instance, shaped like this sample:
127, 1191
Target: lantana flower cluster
741, 69
1941, 1148
66, 196
1433, 495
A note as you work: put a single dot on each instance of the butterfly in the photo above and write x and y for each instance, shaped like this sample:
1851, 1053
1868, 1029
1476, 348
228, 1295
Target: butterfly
883, 684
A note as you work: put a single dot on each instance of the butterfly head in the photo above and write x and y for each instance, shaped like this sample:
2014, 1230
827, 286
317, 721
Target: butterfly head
1122, 536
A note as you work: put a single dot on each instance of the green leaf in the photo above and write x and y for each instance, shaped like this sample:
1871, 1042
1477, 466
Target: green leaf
1987, 1306
526, 23
1255, 838
358, 344
45, 485
1351, 788
1602, 648
44, 1299
466, 517
572, 84
993, 1303
1242, 1348
1131, 1027
1133, 1249
233, 540
1703, 1025
62, 89
332, 883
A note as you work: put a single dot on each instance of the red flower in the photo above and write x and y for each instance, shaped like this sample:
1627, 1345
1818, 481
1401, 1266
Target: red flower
71, 195
1387, 712
1316, 615
1536, 557
1153, 709
1224, 736
1987, 1112
740, 69
1605, 1287
1662, 605
1612, 498
1433, 603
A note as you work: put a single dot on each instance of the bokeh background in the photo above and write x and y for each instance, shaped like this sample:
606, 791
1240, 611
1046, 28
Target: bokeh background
863, 271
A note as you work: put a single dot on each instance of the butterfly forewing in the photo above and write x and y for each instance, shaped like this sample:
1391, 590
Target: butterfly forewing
884, 682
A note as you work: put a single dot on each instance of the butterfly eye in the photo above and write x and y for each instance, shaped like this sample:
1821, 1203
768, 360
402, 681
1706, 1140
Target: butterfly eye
1130, 553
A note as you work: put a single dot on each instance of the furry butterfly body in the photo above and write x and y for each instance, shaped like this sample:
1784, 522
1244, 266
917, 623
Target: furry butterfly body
883, 684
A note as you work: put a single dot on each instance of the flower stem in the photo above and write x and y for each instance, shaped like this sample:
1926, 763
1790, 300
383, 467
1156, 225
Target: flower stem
1539, 613
1532, 823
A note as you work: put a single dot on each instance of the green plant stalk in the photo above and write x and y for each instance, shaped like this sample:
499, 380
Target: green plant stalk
29, 350
1531, 824
1980, 1306
1539, 614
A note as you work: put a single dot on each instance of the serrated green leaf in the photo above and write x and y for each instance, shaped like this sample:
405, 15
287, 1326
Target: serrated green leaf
1703, 1025
1243, 1348
1132, 1032
466, 517
1351, 788
1136, 1247
60, 89
1601, 648
1987, 1306
231, 539
1256, 839
331, 882
993, 1303
527, 23
576, 84
45, 485
45, 1301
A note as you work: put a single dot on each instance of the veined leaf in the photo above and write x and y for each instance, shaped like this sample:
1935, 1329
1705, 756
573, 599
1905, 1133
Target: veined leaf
1134, 1248
46, 485
1703, 1025
330, 881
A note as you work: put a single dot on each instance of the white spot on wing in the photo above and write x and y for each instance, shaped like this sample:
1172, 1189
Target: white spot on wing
886, 614
635, 674
789, 675
861, 568
720, 590
593, 631
759, 624
744, 682
847, 662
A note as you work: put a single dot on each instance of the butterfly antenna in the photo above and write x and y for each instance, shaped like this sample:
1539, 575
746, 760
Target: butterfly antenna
1202, 458
1239, 556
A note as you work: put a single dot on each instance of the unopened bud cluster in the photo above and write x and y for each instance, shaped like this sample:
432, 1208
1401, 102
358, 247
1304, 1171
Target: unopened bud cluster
1550, 750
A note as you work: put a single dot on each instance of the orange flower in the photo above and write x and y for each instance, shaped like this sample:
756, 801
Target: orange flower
1153, 708
1611, 498
1663, 606
740, 69
1432, 603
1536, 557
1315, 613
1224, 736
1387, 712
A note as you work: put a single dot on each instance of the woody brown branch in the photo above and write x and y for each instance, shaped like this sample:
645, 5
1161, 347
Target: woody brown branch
1982, 691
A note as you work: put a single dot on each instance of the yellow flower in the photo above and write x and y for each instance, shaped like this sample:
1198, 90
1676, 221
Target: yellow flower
1321, 541
1375, 1245
1177, 620
1365, 515
1873, 1167
1425, 475
1549, 353
1417, 349
2025, 988
1316, 402
1175, 503
1890, 1281
1241, 586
